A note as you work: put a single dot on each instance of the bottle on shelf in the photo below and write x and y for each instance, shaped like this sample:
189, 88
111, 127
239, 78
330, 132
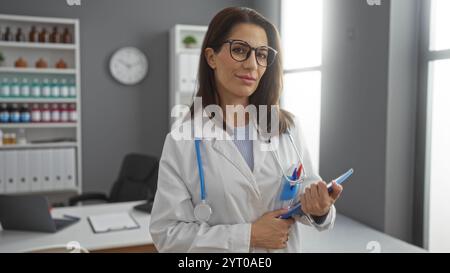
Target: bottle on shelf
45, 113
21, 137
33, 35
56, 115
20, 37
73, 116
5, 138
12, 139
66, 37
72, 89
64, 113
46, 91
36, 113
15, 88
8, 36
6, 88
14, 113
54, 36
25, 88
9, 138
43, 36
36, 89
25, 115
55, 89
4, 113
64, 89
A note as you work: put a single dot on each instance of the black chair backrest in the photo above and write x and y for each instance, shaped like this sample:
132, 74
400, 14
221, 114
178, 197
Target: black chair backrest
137, 179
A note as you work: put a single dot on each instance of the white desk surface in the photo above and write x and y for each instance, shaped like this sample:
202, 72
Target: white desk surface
347, 235
20, 241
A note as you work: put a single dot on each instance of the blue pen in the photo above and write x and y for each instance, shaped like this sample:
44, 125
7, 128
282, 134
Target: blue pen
294, 174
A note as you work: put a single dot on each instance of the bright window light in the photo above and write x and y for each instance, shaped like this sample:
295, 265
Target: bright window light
439, 198
440, 22
302, 98
301, 32
301, 27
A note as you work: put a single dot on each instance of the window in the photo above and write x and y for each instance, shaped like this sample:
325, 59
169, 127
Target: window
437, 56
301, 32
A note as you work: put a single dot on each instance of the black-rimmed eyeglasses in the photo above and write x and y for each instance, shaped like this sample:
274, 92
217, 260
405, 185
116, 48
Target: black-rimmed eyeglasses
240, 51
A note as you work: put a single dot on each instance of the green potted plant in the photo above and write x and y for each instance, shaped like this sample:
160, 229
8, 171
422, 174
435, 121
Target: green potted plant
2, 59
189, 41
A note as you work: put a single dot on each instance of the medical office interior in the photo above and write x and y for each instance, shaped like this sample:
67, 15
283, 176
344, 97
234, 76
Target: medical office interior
368, 79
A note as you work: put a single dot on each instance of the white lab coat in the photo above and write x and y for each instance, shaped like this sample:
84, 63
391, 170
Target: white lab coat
236, 195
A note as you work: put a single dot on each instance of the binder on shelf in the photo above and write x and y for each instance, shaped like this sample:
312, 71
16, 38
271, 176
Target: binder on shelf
188, 71
23, 182
47, 175
11, 171
58, 166
2, 172
36, 170
69, 176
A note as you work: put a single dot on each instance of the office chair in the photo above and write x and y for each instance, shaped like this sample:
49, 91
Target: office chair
136, 181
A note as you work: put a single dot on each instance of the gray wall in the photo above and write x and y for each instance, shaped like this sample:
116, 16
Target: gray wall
401, 122
368, 109
354, 105
119, 119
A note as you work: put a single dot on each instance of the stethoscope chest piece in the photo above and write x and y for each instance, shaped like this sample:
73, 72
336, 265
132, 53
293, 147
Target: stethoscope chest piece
202, 212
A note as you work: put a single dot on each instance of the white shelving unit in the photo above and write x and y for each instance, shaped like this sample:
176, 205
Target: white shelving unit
40, 146
37, 45
184, 64
47, 71
43, 100
38, 125
38, 156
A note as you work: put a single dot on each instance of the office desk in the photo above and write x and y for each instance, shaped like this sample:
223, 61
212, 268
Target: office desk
347, 235
136, 240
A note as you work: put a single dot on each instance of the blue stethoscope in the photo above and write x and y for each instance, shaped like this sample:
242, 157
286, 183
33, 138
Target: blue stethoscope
203, 211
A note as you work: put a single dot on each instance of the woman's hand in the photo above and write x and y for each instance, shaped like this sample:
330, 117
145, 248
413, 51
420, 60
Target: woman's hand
316, 200
271, 232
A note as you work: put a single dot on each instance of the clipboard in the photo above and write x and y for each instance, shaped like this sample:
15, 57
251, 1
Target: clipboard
112, 222
297, 208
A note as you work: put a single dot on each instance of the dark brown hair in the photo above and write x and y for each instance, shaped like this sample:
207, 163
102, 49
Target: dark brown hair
270, 86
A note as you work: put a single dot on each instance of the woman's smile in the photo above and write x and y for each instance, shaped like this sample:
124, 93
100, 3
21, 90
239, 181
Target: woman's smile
247, 79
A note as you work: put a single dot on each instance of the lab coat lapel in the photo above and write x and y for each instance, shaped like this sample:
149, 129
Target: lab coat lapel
260, 145
228, 150
259, 154
231, 153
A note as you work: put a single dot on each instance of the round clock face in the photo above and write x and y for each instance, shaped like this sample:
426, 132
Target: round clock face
128, 65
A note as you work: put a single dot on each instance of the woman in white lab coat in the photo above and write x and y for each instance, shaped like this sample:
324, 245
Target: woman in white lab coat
243, 180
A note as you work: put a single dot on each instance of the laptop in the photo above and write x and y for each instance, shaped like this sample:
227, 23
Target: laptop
30, 213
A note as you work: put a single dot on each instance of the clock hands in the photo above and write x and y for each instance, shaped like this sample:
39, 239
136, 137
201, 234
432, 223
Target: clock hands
129, 65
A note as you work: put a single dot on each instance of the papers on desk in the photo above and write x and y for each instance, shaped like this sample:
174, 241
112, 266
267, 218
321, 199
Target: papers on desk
112, 222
